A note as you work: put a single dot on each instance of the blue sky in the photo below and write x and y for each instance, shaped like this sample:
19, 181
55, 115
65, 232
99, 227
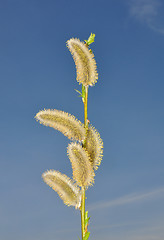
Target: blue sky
126, 106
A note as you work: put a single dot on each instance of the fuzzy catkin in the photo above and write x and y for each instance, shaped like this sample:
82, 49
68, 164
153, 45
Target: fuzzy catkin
94, 146
67, 190
85, 63
63, 122
83, 172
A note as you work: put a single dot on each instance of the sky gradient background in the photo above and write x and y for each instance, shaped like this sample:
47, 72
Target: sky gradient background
126, 106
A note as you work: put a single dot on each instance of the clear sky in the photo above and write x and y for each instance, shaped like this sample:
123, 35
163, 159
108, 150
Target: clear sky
126, 106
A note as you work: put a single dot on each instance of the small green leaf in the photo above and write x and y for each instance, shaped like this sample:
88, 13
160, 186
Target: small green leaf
91, 39
83, 93
86, 215
86, 236
86, 219
78, 92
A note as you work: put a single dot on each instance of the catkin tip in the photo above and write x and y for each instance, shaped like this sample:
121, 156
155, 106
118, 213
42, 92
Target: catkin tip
83, 172
67, 190
85, 62
63, 122
94, 146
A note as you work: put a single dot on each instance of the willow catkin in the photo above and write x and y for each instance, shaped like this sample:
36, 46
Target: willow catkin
84, 60
94, 146
63, 122
83, 172
67, 190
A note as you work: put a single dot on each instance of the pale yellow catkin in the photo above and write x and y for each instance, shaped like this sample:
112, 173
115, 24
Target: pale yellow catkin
94, 146
63, 122
67, 190
84, 60
83, 172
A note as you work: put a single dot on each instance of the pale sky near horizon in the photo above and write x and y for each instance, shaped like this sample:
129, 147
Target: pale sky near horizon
126, 106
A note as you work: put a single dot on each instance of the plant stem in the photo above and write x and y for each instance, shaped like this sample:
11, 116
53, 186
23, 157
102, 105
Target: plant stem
86, 108
83, 213
83, 188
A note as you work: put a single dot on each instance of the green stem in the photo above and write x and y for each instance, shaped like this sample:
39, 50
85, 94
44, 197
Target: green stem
83, 213
86, 108
83, 188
